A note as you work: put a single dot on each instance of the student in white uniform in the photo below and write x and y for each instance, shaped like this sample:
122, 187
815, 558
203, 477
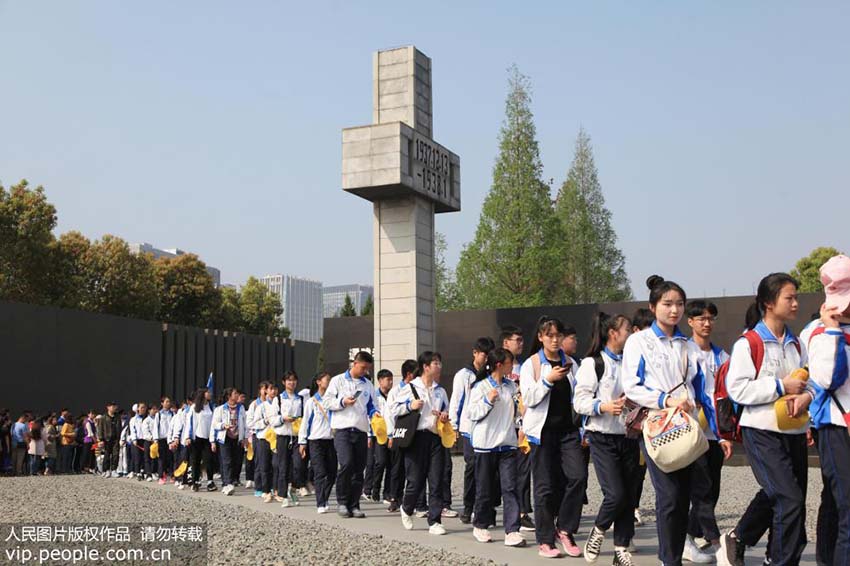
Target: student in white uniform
424, 457
599, 396
289, 408
779, 457
828, 343
136, 442
382, 475
196, 437
149, 434
458, 413
258, 422
228, 435
351, 400
165, 462
316, 436
494, 439
701, 318
659, 370
408, 374
552, 427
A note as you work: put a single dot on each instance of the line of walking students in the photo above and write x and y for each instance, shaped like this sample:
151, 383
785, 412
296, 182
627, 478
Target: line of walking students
529, 429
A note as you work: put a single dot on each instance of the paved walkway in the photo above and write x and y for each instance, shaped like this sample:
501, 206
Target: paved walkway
459, 536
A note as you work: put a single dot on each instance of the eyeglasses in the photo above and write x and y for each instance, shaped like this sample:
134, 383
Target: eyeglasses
705, 319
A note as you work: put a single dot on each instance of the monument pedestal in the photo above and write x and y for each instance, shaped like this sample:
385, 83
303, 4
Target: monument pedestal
396, 164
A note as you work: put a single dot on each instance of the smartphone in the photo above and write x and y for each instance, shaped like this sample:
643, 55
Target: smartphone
357, 394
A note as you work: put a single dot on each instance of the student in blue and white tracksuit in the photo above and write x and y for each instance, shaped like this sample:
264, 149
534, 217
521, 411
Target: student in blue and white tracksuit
289, 408
494, 439
149, 435
827, 341
316, 436
659, 370
228, 435
599, 396
558, 472
701, 317
136, 441
196, 437
165, 463
408, 373
175, 442
458, 413
350, 399
383, 464
258, 423
779, 457
424, 458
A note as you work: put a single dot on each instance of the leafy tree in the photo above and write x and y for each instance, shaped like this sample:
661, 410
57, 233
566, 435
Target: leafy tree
117, 281
260, 309
320, 357
368, 307
69, 276
446, 290
348, 307
593, 267
187, 291
229, 315
512, 261
807, 270
27, 221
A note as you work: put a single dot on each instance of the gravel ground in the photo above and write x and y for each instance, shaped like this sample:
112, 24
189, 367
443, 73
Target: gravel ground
91, 499
68, 499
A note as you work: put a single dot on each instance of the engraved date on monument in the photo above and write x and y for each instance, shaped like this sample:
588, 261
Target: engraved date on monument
435, 174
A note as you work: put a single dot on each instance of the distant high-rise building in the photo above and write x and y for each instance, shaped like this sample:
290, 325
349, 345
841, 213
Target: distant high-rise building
145, 248
334, 297
302, 305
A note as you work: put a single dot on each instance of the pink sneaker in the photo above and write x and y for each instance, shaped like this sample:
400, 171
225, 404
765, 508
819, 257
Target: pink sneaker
569, 543
548, 551
161, 481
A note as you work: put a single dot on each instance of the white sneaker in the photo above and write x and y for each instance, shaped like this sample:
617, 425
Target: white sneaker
216, 476
268, 498
130, 475
692, 553
249, 484
181, 486
437, 529
227, 490
150, 478
449, 513
303, 492
638, 518
514, 539
104, 475
285, 503
481, 535
421, 514
322, 510
406, 520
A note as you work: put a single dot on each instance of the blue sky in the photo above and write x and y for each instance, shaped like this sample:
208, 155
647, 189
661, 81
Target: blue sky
721, 130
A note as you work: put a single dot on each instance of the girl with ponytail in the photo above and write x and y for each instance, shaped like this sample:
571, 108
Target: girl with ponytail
764, 366
599, 396
659, 369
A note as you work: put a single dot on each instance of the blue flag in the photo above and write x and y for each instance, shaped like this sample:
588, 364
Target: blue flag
210, 384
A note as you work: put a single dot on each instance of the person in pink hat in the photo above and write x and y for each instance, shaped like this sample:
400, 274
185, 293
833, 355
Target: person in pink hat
828, 343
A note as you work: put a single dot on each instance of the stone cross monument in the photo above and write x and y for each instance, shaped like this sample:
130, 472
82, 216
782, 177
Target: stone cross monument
395, 164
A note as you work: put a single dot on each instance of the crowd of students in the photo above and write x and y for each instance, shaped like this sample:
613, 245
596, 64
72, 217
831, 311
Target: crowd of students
528, 428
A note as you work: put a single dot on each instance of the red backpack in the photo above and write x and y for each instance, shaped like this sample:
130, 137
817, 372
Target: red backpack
729, 412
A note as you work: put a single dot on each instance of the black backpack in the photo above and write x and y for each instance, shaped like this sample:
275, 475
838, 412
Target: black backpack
405, 425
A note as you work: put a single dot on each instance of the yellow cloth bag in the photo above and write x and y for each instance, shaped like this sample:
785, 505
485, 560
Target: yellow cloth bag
271, 437
250, 452
447, 433
154, 450
296, 426
783, 420
181, 469
379, 428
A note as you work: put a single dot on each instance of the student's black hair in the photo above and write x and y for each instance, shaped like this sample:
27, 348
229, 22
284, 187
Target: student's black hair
544, 323
364, 356
507, 332
314, 384
289, 374
696, 307
484, 344
603, 323
426, 358
200, 399
384, 373
569, 331
408, 367
225, 395
35, 431
496, 356
658, 286
768, 291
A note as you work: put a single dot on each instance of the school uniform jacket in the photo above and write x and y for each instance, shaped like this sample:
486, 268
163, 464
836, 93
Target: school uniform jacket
828, 353
149, 429
163, 424
286, 405
176, 430
757, 393
196, 425
220, 420
493, 424
135, 432
434, 398
592, 392
357, 415
316, 423
261, 417
459, 404
657, 366
391, 398
709, 362
535, 393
